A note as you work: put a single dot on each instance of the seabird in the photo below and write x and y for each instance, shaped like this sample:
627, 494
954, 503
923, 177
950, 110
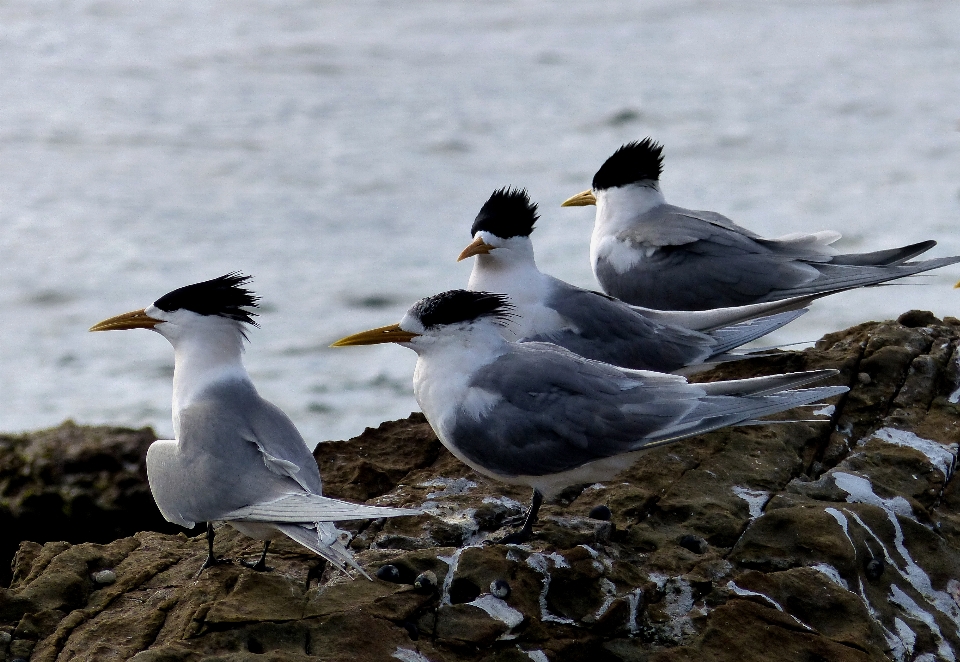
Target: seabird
594, 325
236, 458
650, 253
537, 414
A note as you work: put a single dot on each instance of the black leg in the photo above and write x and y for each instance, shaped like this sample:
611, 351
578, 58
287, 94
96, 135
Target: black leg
211, 559
261, 565
526, 531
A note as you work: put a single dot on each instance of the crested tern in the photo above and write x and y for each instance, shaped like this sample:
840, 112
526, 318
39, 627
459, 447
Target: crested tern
594, 325
236, 458
537, 414
650, 253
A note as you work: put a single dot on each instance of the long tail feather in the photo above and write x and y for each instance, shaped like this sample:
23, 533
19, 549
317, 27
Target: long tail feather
724, 412
303, 508
888, 257
718, 318
323, 539
730, 337
837, 277
766, 385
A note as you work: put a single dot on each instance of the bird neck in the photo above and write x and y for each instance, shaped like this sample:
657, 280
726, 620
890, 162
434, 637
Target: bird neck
476, 342
618, 207
510, 269
446, 365
201, 360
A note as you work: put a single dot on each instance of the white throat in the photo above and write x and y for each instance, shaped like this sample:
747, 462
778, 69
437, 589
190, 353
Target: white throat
510, 269
445, 364
618, 207
206, 351
617, 210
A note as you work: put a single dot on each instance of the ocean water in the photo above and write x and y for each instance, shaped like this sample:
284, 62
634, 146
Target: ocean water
339, 152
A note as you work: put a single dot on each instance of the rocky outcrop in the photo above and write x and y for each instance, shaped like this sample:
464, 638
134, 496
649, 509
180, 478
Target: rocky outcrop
834, 539
74, 483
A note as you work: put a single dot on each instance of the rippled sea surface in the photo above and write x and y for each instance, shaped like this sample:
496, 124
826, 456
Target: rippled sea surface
338, 151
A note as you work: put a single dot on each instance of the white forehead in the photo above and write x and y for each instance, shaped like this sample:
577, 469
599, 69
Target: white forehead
411, 323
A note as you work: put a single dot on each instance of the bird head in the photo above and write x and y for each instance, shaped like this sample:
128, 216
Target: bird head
222, 301
444, 315
639, 162
506, 218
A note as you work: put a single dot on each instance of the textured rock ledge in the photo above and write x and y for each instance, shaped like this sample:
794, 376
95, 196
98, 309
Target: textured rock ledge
833, 540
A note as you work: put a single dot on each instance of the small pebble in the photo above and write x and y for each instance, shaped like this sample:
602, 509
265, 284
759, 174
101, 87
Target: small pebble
874, 569
864, 378
695, 544
19, 659
5, 638
389, 573
499, 588
425, 581
601, 513
104, 577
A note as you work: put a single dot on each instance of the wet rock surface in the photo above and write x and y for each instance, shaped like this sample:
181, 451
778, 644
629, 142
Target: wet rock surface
830, 540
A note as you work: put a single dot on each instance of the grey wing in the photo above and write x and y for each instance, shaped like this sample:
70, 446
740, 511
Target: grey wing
611, 331
556, 411
696, 260
669, 225
216, 469
283, 447
262, 424
692, 264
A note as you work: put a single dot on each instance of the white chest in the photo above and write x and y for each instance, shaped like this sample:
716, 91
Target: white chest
619, 254
443, 391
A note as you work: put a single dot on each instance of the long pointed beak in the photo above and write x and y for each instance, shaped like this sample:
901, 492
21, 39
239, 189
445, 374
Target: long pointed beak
391, 333
137, 319
478, 247
956, 286
583, 199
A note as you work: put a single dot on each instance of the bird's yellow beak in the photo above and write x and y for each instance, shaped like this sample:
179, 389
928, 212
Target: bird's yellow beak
137, 319
956, 286
478, 247
584, 199
391, 333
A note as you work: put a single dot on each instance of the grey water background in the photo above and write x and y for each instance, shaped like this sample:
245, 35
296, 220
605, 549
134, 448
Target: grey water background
338, 151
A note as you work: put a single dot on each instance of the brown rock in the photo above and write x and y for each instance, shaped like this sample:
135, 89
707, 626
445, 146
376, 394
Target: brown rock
74, 483
744, 631
375, 462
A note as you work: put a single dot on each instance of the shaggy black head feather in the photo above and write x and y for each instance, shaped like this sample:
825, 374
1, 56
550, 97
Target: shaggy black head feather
507, 213
633, 162
461, 306
224, 296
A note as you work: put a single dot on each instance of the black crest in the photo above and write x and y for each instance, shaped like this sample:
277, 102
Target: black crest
634, 162
224, 296
461, 306
507, 213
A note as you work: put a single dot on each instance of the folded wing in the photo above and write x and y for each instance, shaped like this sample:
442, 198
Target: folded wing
553, 411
